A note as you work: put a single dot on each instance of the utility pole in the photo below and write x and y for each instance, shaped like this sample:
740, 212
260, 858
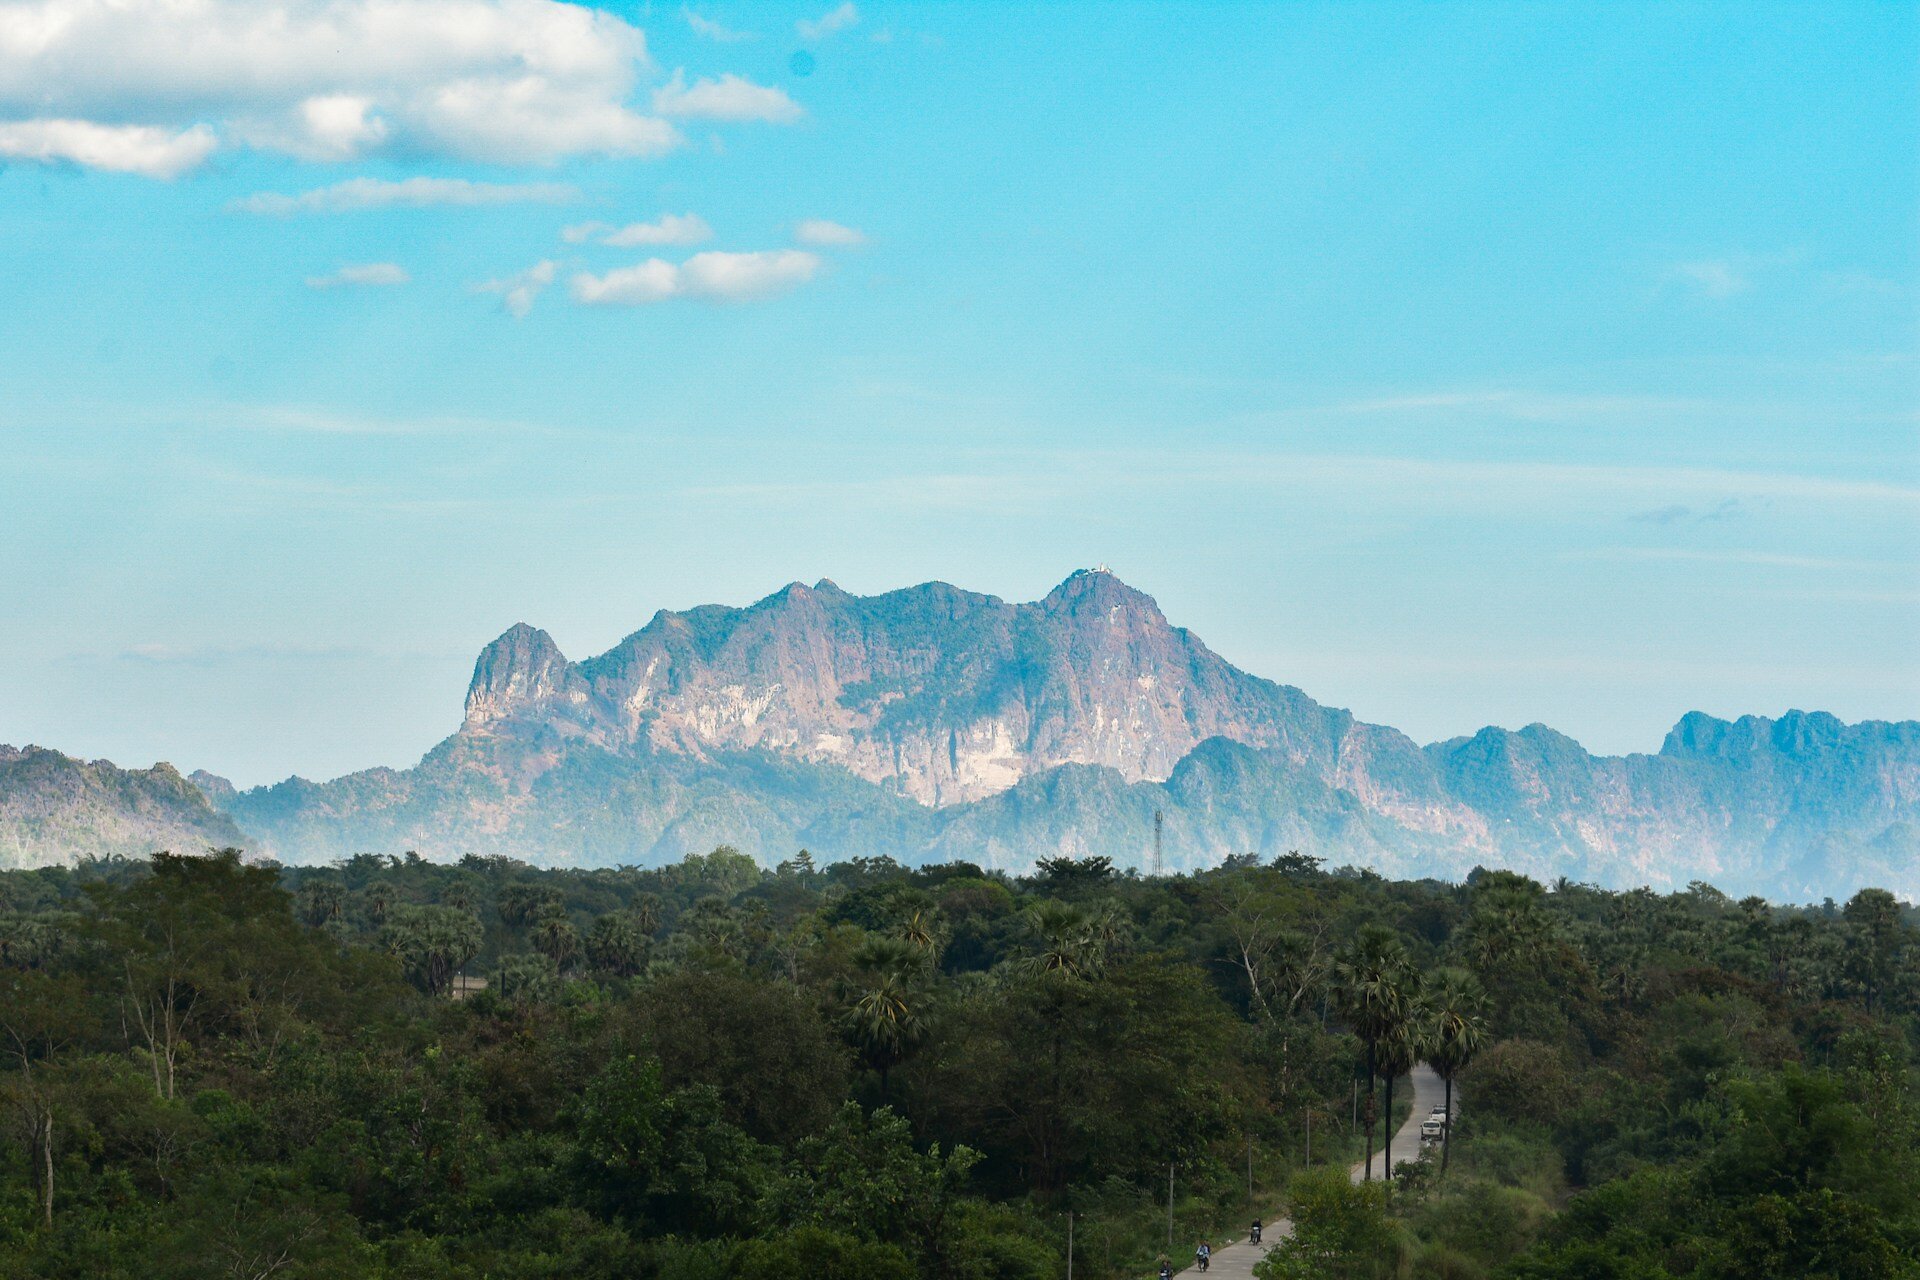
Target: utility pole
1069, 1244
1159, 842
1249, 1170
1309, 1139
1169, 1211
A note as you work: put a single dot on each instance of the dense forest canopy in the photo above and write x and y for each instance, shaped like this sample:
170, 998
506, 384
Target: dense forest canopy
396, 1068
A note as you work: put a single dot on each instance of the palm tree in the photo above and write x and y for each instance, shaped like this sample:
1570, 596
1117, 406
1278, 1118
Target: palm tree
1403, 1045
883, 1019
1072, 942
1457, 1029
1370, 982
555, 937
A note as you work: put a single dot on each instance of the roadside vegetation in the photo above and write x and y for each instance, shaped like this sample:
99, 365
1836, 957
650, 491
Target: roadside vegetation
211, 1068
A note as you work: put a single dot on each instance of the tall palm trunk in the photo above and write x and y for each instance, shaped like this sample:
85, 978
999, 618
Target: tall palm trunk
1446, 1127
1369, 1112
1386, 1158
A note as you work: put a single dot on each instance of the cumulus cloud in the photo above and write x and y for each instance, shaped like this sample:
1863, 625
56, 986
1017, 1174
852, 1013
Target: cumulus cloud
729, 98
827, 23
672, 228
714, 276
143, 149
708, 29
822, 234
411, 193
493, 80
517, 292
366, 273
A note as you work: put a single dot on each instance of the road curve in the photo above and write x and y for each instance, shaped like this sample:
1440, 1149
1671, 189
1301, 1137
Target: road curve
1235, 1261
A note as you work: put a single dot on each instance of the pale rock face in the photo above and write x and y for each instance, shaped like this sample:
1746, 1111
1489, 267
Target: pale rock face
943, 695
934, 722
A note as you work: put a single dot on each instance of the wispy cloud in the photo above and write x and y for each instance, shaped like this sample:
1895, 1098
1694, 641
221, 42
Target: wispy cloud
821, 234
838, 19
671, 228
1527, 405
1756, 559
1675, 513
729, 98
357, 194
374, 274
714, 276
708, 29
1862, 282
517, 292
1714, 277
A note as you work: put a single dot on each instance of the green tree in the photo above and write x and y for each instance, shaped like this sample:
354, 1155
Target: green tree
554, 937
1372, 981
617, 944
1340, 1231
1456, 1006
433, 943
884, 1018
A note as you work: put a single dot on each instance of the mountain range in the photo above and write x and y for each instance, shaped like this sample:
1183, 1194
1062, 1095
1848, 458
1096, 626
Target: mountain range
933, 723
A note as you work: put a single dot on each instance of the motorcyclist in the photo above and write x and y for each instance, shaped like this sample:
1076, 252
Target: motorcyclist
1203, 1255
1255, 1235
1166, 1271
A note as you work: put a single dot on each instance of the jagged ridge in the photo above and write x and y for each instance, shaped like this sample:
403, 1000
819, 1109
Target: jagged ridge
938, 722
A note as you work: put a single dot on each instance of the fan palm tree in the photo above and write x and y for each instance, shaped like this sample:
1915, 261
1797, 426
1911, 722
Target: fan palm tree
1072, 943
1404, 1044
1370, 978
884, 1019
1457, 1029
555, 938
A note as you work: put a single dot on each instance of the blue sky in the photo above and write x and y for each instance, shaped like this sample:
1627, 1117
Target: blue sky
1459, 364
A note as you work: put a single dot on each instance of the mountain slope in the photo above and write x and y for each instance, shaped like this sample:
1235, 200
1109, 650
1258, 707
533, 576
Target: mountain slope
934, 722
53, 808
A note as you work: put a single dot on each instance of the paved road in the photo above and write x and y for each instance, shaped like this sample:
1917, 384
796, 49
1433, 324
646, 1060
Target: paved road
1235, 1261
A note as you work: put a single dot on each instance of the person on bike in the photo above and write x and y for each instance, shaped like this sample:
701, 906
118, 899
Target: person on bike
1203, 1255
1255, 1236
1166, 1271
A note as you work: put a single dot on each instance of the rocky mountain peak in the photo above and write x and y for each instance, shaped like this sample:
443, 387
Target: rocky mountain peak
1088, 592
521, 672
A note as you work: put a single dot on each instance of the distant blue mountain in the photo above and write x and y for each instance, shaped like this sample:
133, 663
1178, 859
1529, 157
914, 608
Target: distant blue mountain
937, 723
934, 723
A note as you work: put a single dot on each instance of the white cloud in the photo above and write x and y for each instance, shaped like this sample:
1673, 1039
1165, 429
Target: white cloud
366, 273
730, 98
654, 280
410, 193
718, 277
672, 228
822, 234
334, 127
494, 80
827, 23
708, 29
518, 292
143, 149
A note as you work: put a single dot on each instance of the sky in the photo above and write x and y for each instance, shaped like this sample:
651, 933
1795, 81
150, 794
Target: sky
1460, 364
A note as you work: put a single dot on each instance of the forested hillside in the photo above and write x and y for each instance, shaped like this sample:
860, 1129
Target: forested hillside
857, 1071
